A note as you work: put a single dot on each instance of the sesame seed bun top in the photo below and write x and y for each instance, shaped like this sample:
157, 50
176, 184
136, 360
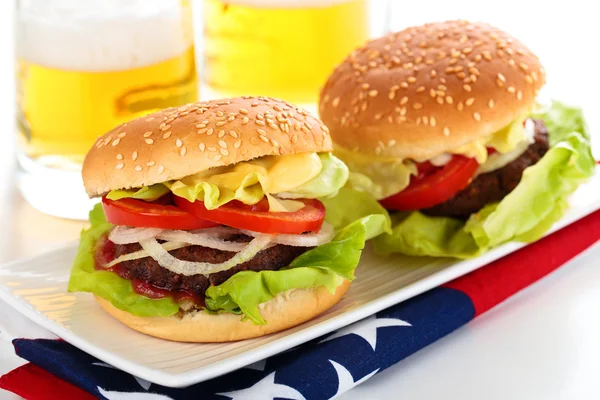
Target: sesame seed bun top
429, 89
177, 142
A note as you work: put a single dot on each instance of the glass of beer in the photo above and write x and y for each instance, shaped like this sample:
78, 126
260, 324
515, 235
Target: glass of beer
83, 67
279, 48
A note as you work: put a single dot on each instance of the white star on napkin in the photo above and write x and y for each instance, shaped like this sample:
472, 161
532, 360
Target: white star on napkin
345, 379
265, 389
367, 329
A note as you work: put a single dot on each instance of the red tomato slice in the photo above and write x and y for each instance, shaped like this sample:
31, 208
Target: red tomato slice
434, 187
257, 217
139, 213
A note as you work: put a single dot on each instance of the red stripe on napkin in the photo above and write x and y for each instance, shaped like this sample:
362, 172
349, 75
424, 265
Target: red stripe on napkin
32, 382
494, 283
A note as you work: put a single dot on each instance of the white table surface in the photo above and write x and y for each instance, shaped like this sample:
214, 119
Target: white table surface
541, 344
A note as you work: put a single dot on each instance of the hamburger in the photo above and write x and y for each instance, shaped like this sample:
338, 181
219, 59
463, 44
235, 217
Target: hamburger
220, 221
441, 123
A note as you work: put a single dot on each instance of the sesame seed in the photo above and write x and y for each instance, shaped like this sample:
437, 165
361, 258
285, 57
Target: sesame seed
220, 113
469, 102
529, 79
520, 95
138, 168
432, 121
417, 106
487, 56
449, 99
122, 134
491, 103
335, 102
231, 118
149, 141
212, 148
237, 144
243, 111
274, 126
460, 106
499, 83
534, 76
233, 134
511, 89
294, 138
261, 131
220, 123
119, 166
501, 77
217, 157
402, 111
446, 131
274, 142
116, 141
245, 120
199, 126
222, 144
392, 95
433, 73
467, 87
182, 151
119, 156
161, 126
224, 152
420, 89
202, 147
178, 143
404, 100
373, 93
166, 135
305, 130
264, 138
477, 116
411, 79
134, 156
425, 120
150, 119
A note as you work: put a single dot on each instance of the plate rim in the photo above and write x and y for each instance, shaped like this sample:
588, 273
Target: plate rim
209, 371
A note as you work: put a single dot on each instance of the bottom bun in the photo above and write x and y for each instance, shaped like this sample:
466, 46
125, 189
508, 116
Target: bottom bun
282, 312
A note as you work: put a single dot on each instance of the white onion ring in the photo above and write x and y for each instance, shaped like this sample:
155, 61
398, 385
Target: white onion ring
201, 239
126, 235
324, 235
189, 268
168, 246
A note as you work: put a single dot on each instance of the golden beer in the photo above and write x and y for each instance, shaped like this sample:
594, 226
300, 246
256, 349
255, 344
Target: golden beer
72, 89
283, 49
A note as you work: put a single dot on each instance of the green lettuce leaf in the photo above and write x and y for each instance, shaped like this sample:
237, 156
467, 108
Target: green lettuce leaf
108, 285
524, 215
147, 193
327, 265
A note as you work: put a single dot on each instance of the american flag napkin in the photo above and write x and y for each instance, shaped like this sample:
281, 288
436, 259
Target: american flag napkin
323, 368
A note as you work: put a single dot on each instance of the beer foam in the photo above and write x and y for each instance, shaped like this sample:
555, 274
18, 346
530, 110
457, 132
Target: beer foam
107, 35
287, 3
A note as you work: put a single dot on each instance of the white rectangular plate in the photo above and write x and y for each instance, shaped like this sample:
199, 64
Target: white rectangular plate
38, 288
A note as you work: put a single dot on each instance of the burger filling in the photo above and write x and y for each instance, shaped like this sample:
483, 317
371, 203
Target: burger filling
493, 186
458, 183
178, 238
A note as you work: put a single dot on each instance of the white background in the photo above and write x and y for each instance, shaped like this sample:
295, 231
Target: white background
542, 344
